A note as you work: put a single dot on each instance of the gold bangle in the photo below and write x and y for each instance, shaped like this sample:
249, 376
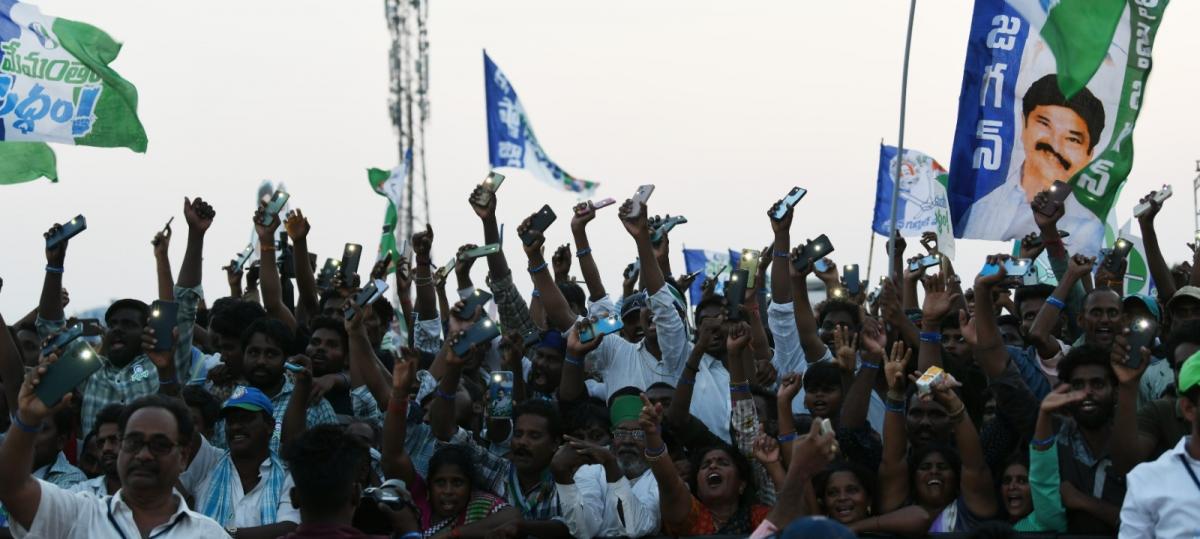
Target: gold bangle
957, 415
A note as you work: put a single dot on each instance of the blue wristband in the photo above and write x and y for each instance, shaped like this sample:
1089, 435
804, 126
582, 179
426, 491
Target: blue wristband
931, 337
1044, 443
743, 388
782, 254
52, 269
655, 452
1057, 303
21, 425
443, 395
536, 294
868, 365
895, 407
574, 361
785, 438
410, 535
583, 252
536, 269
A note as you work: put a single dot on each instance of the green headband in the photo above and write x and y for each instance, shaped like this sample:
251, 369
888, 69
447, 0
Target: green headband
625, 408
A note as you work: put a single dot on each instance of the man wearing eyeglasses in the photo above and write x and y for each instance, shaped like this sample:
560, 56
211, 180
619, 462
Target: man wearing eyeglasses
154, 431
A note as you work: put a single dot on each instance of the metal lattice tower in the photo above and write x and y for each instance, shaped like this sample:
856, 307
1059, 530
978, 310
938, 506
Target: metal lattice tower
408, 65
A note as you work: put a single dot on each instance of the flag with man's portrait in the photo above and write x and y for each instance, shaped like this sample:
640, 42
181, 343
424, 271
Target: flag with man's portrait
1051, 92
511, 142
922, 206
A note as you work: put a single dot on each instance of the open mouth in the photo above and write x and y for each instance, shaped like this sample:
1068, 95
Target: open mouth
238, 438
934, 483
714, 480
843, 511
1089, 406
1014, 501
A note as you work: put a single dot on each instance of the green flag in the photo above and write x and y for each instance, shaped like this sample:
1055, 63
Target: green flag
1079, 33
26, 161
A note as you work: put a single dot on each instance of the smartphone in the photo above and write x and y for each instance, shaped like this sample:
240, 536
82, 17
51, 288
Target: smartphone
349, 266
604, 203
749, 262
1031, 278
639, 200
821, 265
692, 276
813, 251
1016, 269
239, 263
1059, 191
373, 291
164, 316
481, 331
826, 426
1036, 240
1141, 333
925, 262
325, 277
63, 338
989, 269
583, 209
69, 230
603, 326
292, 366
484, 250
1120, 251
91, 327
850, 279
539, 222
444, 271
75, 364
531, 337
275, 206
780, 210
476, 301
664, 227
164, 230
633, 269
1159, 196
735, 293
500, 392
489, 186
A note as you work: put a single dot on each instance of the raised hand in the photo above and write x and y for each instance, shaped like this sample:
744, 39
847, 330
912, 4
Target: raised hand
266, 233
512, 350
30, 409
874, 339
737, 338
1147, 218
583, 213
1119, 357
814, 451
766, 447
830, 275
985, 283
404, 371
56, 255
929, 240
422, 242
901, 244
463, 264
650, 419
636, 226
937, 298
913, 275
845, 345
789, 387
534, 248
1079, 266
297, 225
966, 323
1040, 201
1030, 247
893, 370
707, 330
161, 359
162, 241
782, 225
484, 212
198, 214
561, 263
1061, 398
575, 347
380, 269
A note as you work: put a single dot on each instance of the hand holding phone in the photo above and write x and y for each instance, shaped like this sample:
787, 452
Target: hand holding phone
483, 330
164, 316
603, 326
1141, 334
639, 199
368, 295
850, 279
538, 223
351, 254
1155, 198
785, 205
76, 363
1059, 191
68, 230
735, 294
1120, 251
274, 207
487, 189
500, 395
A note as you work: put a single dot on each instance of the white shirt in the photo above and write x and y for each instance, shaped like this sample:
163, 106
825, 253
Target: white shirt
1004, 214
590, 504
98, 486
1160, 498
624, 364
246, 506
639, 504
81, 515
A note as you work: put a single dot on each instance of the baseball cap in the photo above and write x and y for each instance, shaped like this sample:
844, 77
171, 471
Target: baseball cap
248, 398
128, 303
1150, 303
816, 526
1189, 374
1192, 292
633, 303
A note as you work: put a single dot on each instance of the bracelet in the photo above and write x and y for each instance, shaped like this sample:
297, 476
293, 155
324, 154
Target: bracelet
894, 406
265, 248
423, 281
21, 425
536, 293
426, 262
1057, 303
413, 535
957, 415
53, 269
574, 361
443, 395
654, 454
743, 387
868, 365
583, 252
931, 337
782, 254
536, 269
1044, 443
785, 438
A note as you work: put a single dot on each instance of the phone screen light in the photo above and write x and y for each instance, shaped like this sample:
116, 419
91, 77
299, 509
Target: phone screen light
1142, 323
496, 378
154, 313
86, 354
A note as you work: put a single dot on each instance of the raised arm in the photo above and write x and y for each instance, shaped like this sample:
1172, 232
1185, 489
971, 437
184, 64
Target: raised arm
19, 491
572, 387
681, 402
364, 366
893, 468
558, 314
637, 227
426, 305
441, 412
810, 454
584, 213
674, 499
781, 288
162, 263
1047, 317
938, 300
497, 264
789, 387
307, 304
395, 460
806, 323
977, 488
872, 341
295, 416
1131, 451
990, 354
50, 307
268, 271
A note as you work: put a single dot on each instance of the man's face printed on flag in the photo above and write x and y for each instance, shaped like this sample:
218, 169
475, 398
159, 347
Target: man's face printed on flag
1056, 144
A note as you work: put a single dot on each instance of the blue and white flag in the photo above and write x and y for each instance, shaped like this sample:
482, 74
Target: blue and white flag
710, 262
510, 138
923, 205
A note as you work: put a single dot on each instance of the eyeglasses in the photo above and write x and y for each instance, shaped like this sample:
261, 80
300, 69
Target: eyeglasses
159, 446
629, 434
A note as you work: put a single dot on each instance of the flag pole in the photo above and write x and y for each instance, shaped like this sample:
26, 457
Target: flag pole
912, 8
870, 256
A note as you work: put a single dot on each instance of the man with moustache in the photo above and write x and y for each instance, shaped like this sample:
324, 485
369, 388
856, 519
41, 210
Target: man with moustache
1059, 138
1100, 318
108, 439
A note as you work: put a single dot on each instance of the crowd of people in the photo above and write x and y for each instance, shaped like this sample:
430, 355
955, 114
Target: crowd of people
299, 406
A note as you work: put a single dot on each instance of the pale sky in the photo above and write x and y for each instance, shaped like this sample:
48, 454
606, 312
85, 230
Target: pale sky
723, 105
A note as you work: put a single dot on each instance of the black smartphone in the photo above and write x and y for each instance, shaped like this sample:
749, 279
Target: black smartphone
664, 227
925, 262
63, 338
91, 327
850, 279
349, 266
481, 331
1059, 191
1120, 251
368, 295
476, 301
1141, 333
69, 230
325, 277
788, 202
274, 207
75, 364
239, 263
286, 261
164, 316
735, 293
813, 250
1036, 240
539, 222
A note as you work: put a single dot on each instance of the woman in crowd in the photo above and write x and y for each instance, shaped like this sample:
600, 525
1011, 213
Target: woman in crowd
450, 503
846, 493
